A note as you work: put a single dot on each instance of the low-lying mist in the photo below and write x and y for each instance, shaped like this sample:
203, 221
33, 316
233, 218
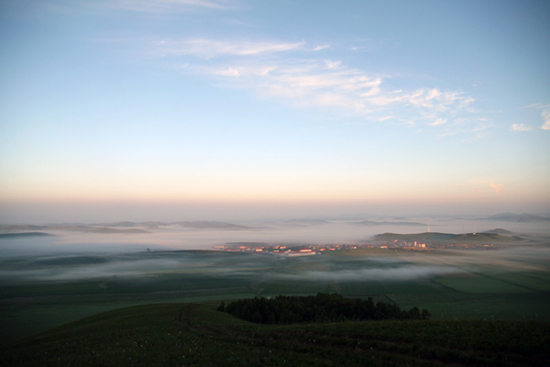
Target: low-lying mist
396, 273
183, 236
70, 254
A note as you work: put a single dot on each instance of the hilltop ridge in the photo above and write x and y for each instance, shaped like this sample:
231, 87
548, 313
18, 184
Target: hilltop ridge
437, 236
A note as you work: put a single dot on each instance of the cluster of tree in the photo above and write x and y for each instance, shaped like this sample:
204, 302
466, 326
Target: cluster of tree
323, 307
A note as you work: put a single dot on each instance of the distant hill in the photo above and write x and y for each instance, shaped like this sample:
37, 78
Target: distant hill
25, 227
386, 223
511, 217
436, 236
153, 224
69, 227
118, 224
426, 236
500, 231
113, 230
306, 222
23, 234
132, 224
212, 225
128, 227
248, 244
74, 228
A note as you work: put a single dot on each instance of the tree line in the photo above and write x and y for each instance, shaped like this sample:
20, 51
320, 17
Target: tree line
323, 307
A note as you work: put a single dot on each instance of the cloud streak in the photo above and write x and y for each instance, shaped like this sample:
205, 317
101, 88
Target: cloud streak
497, 188
546, 118
545, 114
439, 121
328, 84
476, 184
166, 6
211, 48
521, 127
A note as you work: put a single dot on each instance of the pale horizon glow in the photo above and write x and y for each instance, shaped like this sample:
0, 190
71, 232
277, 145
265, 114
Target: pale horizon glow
234, 109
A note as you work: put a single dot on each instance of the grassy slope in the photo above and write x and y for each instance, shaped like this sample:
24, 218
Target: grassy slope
195, 334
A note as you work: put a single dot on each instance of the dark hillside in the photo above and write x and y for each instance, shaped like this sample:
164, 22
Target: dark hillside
198, 335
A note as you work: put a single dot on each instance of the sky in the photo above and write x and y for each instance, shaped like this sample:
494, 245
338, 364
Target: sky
235, 109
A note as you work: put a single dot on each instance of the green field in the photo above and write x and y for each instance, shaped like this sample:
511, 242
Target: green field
482, 285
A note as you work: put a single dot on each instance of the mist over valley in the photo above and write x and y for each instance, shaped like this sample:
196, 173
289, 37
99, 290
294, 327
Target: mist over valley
450, 272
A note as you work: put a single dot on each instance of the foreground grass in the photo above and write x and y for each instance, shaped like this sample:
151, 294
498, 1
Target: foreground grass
197, 335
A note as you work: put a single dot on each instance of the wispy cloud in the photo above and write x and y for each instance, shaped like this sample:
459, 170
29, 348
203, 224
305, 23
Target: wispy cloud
477, 184
333, 64
474, 126
537, 105
319, 48
521, 127
331, 84
164, 6
546, 118
545, 114
439, 121
497, 188
210, 48
290, 72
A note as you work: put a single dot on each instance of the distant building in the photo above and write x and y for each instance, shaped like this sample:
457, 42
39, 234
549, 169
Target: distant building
299, 253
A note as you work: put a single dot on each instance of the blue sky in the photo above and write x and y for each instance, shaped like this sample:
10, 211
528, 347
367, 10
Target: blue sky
440, 106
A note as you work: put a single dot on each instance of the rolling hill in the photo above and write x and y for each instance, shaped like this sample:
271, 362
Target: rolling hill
387, 223
211, 225
482, 237
24, 234
198, 335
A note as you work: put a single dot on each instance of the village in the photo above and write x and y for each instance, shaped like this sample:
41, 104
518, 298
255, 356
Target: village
286, 250
435, 245
318, 249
